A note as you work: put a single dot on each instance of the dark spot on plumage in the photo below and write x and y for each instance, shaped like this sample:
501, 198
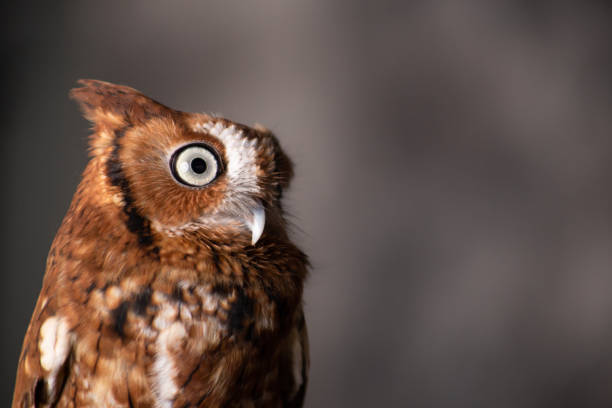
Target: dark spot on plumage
41, 396
177, 293
91, 287
221, 289
241, 309
135, 222
215, 259
114, 171
95, 367
248, 334
283, 311
141, 301
130, 402
267, 288
119, 315
138, 225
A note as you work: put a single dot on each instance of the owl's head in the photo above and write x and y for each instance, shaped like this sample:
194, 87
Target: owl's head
174, 172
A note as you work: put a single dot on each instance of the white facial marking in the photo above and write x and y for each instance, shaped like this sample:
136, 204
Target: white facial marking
54, 346
241, 171
241, 156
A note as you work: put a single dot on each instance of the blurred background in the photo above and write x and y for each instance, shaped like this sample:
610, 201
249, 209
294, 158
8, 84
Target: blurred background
452, 176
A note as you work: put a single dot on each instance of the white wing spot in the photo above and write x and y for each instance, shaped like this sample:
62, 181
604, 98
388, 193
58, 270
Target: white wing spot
54, 346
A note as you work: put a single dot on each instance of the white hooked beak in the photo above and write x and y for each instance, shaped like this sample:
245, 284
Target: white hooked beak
257, 223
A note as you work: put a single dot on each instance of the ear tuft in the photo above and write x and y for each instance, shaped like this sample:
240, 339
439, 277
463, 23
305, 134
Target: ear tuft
109, 103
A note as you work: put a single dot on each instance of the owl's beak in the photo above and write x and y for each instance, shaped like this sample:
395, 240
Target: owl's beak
257, 223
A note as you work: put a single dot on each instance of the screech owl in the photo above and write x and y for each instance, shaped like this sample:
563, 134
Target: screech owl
172, 281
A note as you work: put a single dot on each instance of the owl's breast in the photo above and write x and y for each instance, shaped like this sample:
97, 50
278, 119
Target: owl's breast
166, 341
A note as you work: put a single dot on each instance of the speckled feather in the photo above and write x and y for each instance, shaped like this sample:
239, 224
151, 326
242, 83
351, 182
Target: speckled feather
154, 295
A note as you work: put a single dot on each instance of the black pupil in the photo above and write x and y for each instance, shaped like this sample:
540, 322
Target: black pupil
198, 165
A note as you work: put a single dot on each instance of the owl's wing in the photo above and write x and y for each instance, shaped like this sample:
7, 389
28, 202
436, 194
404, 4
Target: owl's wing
43, 363
297, 354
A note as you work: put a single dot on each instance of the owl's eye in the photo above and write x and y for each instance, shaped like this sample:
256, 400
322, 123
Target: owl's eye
195, 165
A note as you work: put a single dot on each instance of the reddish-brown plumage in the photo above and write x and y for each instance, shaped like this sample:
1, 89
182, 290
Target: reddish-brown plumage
154, 295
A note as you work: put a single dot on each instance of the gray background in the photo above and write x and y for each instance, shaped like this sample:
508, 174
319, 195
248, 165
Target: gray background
452, 189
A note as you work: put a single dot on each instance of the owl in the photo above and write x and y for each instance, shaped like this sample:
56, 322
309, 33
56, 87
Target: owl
172, 281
